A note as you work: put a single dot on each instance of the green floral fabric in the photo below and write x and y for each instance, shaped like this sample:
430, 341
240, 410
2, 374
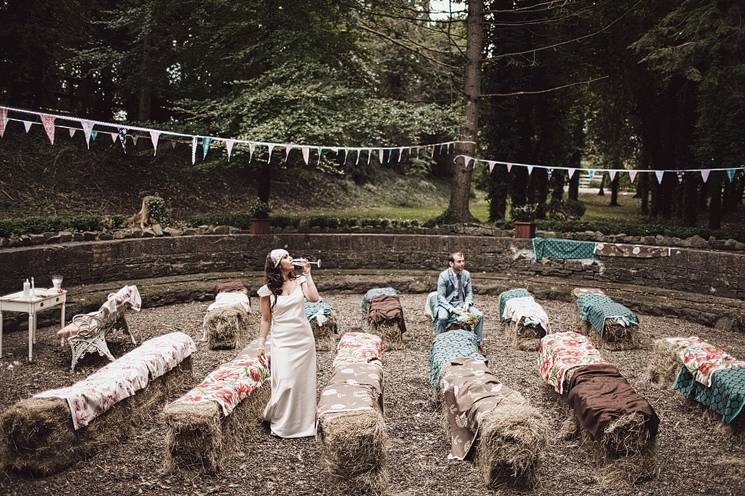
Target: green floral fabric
458, 343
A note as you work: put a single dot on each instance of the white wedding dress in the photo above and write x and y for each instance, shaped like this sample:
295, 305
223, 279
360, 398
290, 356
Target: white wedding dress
292, 406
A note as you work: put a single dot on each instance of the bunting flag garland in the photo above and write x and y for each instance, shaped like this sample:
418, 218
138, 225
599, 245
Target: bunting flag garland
72, 131
47, 122
3, 121
194, 150
659, 175
632, 175
87, 131
206, 141
229, 147
154, 137
705, 174
731, 174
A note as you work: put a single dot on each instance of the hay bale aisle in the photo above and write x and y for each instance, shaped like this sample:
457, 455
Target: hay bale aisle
351, 427
217, 416
54, 429
483, 417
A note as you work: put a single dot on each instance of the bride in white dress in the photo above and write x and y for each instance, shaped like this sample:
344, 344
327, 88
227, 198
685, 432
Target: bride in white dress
292, 406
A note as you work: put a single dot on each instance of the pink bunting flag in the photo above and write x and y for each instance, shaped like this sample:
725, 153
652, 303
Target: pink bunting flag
71, 131
3, 120
193, 150
612, 174
632, 175
87, 130
509, 167
530, 169
154, 137
229, 147
306, 154
27, 125
659, 175
705, 174
491, 165
47, 121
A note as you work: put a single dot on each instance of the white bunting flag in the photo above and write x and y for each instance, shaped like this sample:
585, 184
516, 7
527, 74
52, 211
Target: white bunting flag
229, 147
549, 173
571, 173
114, 137
357, 162
134, 139
469, 161
632, 175
173, 145
87, 129
72, 131
705, 174
251, 148
47, 122
369, 155
659, 175
3, 120
400, 154
491, 165
612, 174
27, 125
193, 150
509, 167
432, 155
306, 154
269, 158
530, 169
334, 149
381, 156
287, 151
320, 154
154, 137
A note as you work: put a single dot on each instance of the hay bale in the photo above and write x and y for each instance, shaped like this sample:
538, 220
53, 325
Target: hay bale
663, 364
200, 437
615, 338
390, 333
353, 451
526, 337
40, 439
325, 335
226, 328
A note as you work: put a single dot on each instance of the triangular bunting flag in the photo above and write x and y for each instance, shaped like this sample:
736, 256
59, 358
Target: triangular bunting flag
432, 155
632, 175
731, 174
612, 174
320, 153
173, 145
705, 174
206, 141
334, 149
491, 165
509, 167
3, 120
134, 139
251, 148
114, 137
87, 131
269, 158
549, 173
47, 122
381, 156
570, 172
680, 175
229, 147
193, 150
72, 131
530, 169
306, 154
590, 174
154, 137
27, 125
287, 151
346, 155
400, 154
659, 175
469, 161
369, 155
357, 162
94, 134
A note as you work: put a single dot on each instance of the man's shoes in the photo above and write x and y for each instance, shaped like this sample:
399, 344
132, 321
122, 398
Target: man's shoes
481, 350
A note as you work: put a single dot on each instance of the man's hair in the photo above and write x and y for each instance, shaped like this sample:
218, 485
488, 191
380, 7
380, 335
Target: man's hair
452, 256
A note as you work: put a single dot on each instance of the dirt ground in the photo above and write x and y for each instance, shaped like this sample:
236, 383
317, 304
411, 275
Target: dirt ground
694, 455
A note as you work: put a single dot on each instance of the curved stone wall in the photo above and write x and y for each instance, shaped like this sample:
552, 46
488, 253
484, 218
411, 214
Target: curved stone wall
708, 272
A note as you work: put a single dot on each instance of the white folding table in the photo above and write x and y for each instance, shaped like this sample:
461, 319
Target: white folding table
39, 301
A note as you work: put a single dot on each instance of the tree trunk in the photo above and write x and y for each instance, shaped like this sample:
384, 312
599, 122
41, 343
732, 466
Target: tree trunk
499, 186
557, 188
614, 192
574, 186
601, 191
643, 192
690, 205
715, 204
145, 97
463, 172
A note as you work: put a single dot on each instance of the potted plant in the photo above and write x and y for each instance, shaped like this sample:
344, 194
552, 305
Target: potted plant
524, 220
259, 210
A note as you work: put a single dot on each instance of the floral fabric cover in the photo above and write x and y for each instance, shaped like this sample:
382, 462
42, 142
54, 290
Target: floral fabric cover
127, 295
703, 359
506, 296
123, 377
527, 308
449, 346
633, 251
231, 382
358, 347
562, 351
596, 309
469, 390
372, 293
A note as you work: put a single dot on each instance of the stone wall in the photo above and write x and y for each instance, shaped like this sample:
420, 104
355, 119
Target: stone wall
708, 272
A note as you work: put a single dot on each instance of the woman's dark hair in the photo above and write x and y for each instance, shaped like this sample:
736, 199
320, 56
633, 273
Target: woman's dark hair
274, 278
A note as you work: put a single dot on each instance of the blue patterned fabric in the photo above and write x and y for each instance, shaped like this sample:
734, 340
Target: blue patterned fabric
312, 309
449, 345
562, 249
726, 396
506, 296
595, 309
372, 293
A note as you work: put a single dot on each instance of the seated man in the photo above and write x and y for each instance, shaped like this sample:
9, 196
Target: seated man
455, 295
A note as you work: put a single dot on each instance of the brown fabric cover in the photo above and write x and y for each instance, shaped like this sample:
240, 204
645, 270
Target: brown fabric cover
230, 287
353, 387
385, 308
599, 394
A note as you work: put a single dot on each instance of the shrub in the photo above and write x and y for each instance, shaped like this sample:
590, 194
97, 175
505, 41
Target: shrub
525, 213
258, 209
156, 207
566, 210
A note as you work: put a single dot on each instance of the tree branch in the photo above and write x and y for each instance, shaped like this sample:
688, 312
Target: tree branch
547, 90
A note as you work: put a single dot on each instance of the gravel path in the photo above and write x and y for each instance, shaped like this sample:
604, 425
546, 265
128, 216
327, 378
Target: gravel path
695, 456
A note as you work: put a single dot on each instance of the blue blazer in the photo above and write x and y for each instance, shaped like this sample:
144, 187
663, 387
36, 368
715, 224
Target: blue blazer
447, 288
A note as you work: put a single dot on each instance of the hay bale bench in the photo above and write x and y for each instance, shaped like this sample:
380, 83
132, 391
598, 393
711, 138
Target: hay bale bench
613, 417
382, 310
523, 319
323, 322
466, 320
54, 429
218, 415
485, 420
350, 417
702, 373
608, 324
226, 324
